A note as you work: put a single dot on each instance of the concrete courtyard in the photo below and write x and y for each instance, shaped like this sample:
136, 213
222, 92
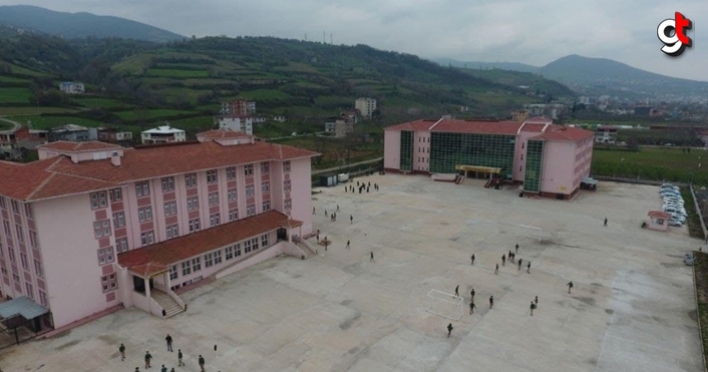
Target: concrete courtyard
631, 309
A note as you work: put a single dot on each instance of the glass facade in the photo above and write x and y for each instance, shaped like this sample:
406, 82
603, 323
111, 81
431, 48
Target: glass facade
534, 159
406, 151
489, 150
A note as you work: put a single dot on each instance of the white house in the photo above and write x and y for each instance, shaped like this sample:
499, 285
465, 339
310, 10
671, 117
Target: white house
235, 123
366, 106
71, 87
163, 134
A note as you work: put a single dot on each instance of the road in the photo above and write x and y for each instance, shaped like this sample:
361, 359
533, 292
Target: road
320, 171
15, 124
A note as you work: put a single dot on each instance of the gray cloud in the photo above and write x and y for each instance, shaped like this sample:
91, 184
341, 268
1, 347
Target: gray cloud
533, 32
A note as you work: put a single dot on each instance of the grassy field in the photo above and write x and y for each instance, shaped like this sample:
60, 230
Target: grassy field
197, 123
5, 125
10, 79
15, 95
46, 122
180, 74
655, 163
29, 110
105, 103
265, 94
150, 114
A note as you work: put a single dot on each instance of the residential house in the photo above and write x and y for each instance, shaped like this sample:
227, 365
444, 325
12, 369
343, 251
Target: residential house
163, 134
365, 106
72, 87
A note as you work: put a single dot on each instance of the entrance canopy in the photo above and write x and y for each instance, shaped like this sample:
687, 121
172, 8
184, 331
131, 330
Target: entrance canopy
23, 306
478, 168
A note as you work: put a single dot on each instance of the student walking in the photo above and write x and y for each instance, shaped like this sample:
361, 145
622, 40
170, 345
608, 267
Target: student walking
503, 260
472, 259
520, 264
528, 268
372, 257
570, 286
517, 249
168, 339
348, 244
201, 362
457, 291
180, 363
605, 221
121, 349
351, 219
536, 300
496, 270
533, 307
148, 358
472, 295
472, 306
449, 330
163, 369
491, 302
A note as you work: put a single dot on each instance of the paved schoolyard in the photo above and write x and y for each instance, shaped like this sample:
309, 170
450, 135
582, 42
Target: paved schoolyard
630, 310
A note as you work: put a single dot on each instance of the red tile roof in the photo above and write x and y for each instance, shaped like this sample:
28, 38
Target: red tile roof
481, 127
533, 127
562, 133
78, 146
156, 258
59, 176
659, 214
418, 125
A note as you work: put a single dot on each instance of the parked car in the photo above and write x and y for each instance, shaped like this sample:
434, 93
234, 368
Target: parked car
675, 223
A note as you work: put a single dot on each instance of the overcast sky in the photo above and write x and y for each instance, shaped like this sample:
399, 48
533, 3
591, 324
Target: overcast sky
533, 32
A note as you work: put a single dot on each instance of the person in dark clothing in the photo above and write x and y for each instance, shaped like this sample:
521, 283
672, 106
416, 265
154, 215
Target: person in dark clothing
148, 358
605, 221
536, 300
533, 307
121, 349
491, 301
457, 291
520, 263
351, 219
517, 249
163, 369
496, 270
180, 363
528, 268
472, 259
347, 244
372, 257
202, 362
168, 339
503, 260
449, 330
570, 286
164, 313
472, 292
472, 306
137, 369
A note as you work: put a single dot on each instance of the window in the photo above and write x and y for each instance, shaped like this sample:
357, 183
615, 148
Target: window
233, 215
288, 204
116, 195
142, 188
192, 203
109, 282
102, 228
28, 210
217, 257
186, 268
521, 168
196, 266
209, 260
118, 219
11, 254
194, 225
38, 268
266, 205
265, 187
254, 243
248, 170
264, 241
237, 249
173, 272
229, 252
98, 200
212, 176
147, 237
250, 191
15, 207
16, 277
172, 231
190, 180
231, 173
168, 184
30, 290
251, 210
2, 203
287, 186
286, 166
20, 233
213, 199
122, 245
231, 195
43, 298
105, 255
265, 168
246, 246
522, 145
145, 214
6, 225
522, 156
23, 261
170, 208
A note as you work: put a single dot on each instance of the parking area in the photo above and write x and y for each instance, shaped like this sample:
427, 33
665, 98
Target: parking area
631, 307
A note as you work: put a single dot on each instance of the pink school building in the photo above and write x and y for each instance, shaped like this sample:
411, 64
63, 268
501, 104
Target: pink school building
549, 159
91, 225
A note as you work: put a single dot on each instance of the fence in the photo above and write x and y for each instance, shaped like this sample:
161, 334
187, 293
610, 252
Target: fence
699, 211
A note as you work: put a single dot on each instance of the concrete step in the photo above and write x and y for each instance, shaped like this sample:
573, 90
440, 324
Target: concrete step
170, 306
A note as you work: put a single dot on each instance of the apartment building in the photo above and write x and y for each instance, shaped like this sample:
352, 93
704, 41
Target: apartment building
365, 106
163, 134
91, 225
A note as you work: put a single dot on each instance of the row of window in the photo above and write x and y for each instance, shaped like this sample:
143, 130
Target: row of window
215, 258
16, 207
24, 261
424, 139
29, 288
423, 149
34, 243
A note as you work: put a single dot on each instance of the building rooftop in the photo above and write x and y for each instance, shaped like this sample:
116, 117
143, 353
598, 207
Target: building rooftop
59, 176
481, 127
164, 129
562, 133
156, 258
223, 133
78, 146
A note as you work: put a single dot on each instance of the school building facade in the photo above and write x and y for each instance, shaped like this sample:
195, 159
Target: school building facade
91, 225
548, 159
